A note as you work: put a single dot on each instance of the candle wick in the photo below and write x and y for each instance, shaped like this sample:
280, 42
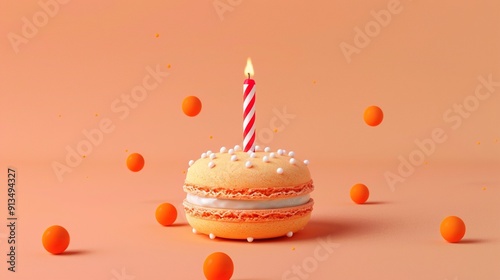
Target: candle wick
248, 75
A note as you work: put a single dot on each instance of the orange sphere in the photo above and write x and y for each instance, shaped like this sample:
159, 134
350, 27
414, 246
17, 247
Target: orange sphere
135, 162
452, 229
191, 106
166, 214
218, 266
359, 193
55, 239
373, 116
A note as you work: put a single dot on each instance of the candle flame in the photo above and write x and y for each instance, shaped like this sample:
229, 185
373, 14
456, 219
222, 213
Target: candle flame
249, 68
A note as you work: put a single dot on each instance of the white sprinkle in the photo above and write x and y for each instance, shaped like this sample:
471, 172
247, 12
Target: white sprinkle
204, 155
211, 164
223, 149
248, 164
292, 161
289, 234
212, 156
194, 231
212, 236
265, 159
291, 154
191, 162
284, 151
253, 155
272, 155
280, 152
209, 152
237, 147
257, 148
230, 151
279, 170
234, 158
249, 239
267, 149
306, 162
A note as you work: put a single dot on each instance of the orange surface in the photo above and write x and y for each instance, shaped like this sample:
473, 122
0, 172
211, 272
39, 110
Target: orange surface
89, 83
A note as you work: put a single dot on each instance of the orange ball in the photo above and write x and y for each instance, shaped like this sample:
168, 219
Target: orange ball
373, 116
191, 106
359, 193
452, 229
55, 239
135, 162
218, 266
166, 214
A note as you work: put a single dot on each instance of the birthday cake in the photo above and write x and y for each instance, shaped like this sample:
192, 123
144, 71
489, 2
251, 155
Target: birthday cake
248, 195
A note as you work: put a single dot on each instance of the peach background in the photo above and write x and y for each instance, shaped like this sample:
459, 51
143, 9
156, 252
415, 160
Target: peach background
429, 57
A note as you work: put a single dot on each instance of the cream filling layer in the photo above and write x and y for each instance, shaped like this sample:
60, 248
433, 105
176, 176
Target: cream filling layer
247, 204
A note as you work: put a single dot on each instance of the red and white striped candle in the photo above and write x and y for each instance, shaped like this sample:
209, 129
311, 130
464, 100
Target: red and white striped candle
249, 109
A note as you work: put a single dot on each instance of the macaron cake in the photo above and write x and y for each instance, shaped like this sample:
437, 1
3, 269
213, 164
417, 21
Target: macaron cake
248, 195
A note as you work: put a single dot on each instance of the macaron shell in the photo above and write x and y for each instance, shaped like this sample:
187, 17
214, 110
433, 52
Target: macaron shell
255, 193
241, 224
235, 175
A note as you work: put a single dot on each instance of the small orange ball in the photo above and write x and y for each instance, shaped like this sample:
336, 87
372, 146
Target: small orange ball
218, 266
55, 239
135, 162
373, 116
452, 229
359, 193
166, 214
191, 106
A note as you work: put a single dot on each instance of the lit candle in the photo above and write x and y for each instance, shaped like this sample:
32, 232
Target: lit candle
248, 109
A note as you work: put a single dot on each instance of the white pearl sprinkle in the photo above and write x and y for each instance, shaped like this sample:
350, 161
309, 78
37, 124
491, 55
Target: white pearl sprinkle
272, 155
237, 147
267, 149
211, 164
291, 154
223, 149
289, 234
212, 236
234, 158
280, 152
209, 152
265, 159
253, 155
191, 162
284, 151
306, 162
194, 231
257, 148
248, 164
292, 161
279, 170
249, 239
204, 155
230, 151
212, 156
